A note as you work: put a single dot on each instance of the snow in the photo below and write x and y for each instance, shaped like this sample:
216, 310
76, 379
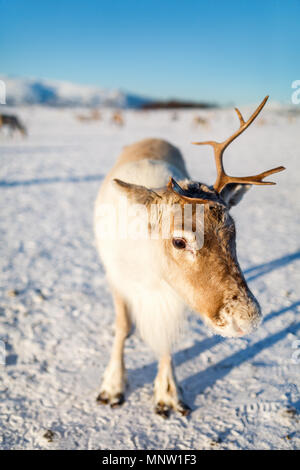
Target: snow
56, 313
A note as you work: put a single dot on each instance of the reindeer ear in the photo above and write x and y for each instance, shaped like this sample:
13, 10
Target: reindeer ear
135, 193
233, 193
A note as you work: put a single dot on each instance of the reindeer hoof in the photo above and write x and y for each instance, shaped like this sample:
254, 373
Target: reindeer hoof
102, 399
162, 410
183, 408
114, 401
118, 400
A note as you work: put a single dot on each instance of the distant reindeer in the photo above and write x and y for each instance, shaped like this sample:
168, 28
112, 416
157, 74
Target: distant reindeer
118, 119
13, 123
291, 118
261, 122
94, 115
152, 279
200, 121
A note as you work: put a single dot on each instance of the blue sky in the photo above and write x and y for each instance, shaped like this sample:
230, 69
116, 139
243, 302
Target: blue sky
232, 51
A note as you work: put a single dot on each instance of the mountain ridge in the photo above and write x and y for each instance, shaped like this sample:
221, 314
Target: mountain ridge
30, 91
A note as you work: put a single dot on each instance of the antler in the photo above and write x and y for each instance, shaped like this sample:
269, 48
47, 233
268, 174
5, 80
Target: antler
178, 190
222, 178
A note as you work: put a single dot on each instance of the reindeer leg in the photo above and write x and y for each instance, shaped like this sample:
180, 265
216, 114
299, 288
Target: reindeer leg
114, 381
167, 394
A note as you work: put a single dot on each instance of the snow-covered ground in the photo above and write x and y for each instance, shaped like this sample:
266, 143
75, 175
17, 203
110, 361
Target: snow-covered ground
56, 312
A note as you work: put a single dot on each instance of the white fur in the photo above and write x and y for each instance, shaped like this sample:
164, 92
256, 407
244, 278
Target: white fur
166, 390
132, 266
114, 379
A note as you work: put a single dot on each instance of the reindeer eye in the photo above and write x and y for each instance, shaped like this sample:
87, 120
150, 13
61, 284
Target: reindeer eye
179, 243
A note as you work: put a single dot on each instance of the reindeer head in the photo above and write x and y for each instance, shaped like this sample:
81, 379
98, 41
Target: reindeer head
209, 279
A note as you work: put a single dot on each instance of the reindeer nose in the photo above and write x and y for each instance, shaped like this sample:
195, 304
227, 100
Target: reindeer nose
237, 318
246, 318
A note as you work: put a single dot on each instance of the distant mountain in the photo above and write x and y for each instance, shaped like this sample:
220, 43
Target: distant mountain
21, 91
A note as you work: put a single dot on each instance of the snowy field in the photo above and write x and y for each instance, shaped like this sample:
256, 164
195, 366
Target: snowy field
56, 313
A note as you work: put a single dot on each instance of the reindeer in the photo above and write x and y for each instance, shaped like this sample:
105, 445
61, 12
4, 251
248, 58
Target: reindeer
153, 279
174, 116
200, 121
117, 118
94, 115
13, 123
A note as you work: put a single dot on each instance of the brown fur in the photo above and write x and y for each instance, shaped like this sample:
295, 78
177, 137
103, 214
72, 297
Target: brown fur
154, 149
216, 272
